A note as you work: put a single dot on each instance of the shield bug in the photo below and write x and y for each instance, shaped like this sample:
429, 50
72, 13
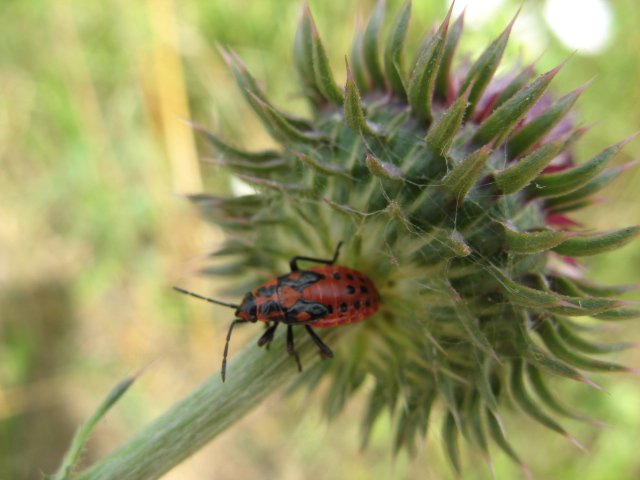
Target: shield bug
323, 296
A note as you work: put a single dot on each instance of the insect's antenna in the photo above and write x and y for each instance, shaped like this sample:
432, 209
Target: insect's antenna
230, 305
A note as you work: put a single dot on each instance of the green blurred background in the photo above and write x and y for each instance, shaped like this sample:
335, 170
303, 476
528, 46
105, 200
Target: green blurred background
94, 155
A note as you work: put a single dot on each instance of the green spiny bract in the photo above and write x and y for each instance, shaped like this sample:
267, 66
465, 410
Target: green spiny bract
450, 191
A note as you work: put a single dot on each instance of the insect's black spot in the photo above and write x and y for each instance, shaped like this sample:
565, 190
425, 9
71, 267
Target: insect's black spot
305, 311
363, 290
349, 276
356, 304
343, 307
362, 279
330, 309
368, 303
351, 289
266, 291
269, 308
337, 276
300, 280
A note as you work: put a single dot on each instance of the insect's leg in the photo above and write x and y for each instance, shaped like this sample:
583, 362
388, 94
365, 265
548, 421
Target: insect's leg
293, 263
226, 347
290, 348
267, 337
324, 350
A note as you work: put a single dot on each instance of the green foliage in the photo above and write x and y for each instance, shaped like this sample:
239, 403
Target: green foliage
70, 460
87, 208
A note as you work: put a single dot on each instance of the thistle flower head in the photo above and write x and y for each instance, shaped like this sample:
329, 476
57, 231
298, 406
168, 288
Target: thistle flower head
450, 188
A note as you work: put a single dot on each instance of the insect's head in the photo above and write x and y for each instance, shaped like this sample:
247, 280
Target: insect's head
248, 310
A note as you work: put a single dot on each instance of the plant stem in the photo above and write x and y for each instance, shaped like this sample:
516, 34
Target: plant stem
190, 424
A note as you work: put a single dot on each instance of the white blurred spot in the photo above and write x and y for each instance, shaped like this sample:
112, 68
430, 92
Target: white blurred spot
530, 35
240, 188
581, 24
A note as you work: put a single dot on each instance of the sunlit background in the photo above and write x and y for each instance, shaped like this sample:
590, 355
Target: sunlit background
95, 156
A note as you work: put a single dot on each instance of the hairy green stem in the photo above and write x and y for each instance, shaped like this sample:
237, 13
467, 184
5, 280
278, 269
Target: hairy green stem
209, 410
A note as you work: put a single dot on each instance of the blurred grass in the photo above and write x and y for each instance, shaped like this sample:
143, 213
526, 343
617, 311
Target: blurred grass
92, 235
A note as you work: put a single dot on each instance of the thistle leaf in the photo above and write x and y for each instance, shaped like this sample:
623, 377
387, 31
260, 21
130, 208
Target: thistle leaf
303, 57
396, 213
514, 86
585, 306
343, 209
498, 437
502, 121
447, 385
217, 208
533, 242
518, 176
568, 336
426, 39
565, 286
576, 305
450, 437
280, 127
464, 175
442, 79
378, 401
481, 72
575, 135
538, 358
285, 188
353, 113
444, 244
473, 416
560, 350
525, 296
244, 166
224, 149
592, 244
542, 391
324, 169
482, 381
394, 51
587, 190
252, 91
384, 170
537, 128
524, 401
618, 314
242, 76
424, 74
603, 290
444, 131
561, 183
357, 60
370, 44
470, 324
571, 207
414, 417
322, 70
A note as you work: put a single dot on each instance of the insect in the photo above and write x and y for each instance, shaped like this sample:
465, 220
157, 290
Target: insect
325, 296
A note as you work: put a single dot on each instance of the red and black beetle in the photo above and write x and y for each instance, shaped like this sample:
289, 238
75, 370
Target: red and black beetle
325, 296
